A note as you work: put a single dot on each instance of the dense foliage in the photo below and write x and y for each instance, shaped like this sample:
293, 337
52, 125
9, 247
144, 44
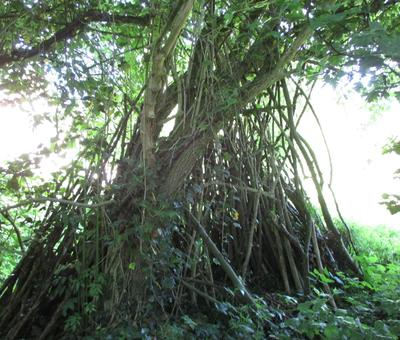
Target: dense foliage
183, 213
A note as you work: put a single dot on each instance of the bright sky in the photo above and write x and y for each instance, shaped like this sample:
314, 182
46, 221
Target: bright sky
361, 173
17, 134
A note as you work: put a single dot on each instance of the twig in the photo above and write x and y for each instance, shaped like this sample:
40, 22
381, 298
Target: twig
224, 264
17, 232
242, 187
54, 200
69, 31
320, 266
198, 291
251, 236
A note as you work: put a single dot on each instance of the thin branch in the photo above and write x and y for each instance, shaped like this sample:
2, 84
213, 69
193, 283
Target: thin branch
7, 216
236, 280
265, 80
251, 235
69, 31
198, 291
242, 187
54, 200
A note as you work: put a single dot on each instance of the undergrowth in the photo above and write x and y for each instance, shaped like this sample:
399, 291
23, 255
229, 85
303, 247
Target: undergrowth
366, 309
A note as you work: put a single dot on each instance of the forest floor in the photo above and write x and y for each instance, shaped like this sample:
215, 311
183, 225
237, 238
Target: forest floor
366, 309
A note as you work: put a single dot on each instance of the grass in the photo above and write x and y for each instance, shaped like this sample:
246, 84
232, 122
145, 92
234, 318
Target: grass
380, 241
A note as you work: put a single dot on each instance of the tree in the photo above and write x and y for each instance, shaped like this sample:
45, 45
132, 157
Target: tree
142, 222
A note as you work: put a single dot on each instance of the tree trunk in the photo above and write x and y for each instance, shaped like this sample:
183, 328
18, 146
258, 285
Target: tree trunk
228, 170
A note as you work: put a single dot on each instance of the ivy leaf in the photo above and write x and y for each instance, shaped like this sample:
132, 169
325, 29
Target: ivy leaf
168, 283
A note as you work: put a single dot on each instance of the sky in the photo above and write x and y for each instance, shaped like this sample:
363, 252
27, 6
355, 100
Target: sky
356, 135
17, 135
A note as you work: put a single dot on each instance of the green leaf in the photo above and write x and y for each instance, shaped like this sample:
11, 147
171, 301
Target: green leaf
168, 283
326, 19
189, 322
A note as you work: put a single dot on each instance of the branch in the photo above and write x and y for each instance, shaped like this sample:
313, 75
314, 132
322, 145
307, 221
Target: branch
184, 164
198, 291
7, 216
54, 200
157, 79
267, 194
69, 31
251, 235
237, 281
263, 81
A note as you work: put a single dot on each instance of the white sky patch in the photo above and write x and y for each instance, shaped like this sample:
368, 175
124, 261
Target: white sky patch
169, 124
17, 134
361, 173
